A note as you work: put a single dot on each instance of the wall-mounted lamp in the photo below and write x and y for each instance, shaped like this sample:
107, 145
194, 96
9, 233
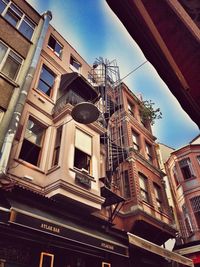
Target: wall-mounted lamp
85, 112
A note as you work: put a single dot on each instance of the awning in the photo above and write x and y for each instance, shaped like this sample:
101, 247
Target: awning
35, 219
149, 246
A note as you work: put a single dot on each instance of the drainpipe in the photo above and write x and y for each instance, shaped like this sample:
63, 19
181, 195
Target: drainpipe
9, 138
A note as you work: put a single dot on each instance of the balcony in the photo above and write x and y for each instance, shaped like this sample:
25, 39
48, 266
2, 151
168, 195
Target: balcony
73, 89
69, 98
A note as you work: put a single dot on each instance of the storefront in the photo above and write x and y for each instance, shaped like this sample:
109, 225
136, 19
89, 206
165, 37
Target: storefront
33, 236
147, 254
191, 250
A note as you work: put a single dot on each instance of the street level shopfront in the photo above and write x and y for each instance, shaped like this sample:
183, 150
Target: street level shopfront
145, 253
37, 232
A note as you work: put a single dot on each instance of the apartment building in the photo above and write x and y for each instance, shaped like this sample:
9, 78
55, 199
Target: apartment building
183, 170
139, 179
52, 170
21, 30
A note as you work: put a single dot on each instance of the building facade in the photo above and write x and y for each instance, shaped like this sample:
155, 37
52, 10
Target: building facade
71, 189
183, 169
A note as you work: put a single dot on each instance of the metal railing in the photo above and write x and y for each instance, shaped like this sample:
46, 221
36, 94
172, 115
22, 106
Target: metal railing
69, 98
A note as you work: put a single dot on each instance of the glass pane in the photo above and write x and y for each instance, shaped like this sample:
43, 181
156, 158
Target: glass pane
26, 30
3, 50
34, 132
16, 10
52, 42
58, 49
2, 6
47, 76
12, 17
44, 88
30, 152
11, 68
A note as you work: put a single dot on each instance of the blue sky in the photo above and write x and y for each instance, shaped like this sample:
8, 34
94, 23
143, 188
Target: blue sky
93, 30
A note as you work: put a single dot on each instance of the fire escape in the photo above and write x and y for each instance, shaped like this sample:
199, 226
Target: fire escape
106, 77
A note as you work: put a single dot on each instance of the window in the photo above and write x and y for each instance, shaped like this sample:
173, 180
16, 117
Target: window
1, 114
32, 143
158, 195
3, 4
135, 139
83, 151
74, 64
10, 62
149, 152
46, 82
198, 159
121, 136
126, 185
186, 168
195, 203
17, 18
27, 27
175, 175
188, 224
130, 108
143, 180
56, 151
55, 46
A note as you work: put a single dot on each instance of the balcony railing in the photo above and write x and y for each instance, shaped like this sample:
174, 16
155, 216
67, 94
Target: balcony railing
69, 98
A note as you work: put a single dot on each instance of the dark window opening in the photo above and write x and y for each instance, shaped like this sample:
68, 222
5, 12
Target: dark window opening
56, 152
56, 47
32, 143
75, 63
82, 160
126, 184
143, 180
149, 152
186, 168
46, 82
131, 108
30, 152
158, 195
135, 139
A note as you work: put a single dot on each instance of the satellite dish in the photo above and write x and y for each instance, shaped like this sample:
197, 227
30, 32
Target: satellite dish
85, 113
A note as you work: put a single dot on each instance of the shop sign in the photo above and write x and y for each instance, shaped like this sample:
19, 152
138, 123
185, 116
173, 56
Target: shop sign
84, 236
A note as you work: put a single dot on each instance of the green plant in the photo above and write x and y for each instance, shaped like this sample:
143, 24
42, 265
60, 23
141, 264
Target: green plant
149, 113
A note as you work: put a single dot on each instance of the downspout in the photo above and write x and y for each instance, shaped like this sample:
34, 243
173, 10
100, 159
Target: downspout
13, 126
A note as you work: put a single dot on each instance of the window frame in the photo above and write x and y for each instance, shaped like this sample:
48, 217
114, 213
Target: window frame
144, 190
131, 108
42, 80
136, 143
75, 69
149, 151
10, 53
27, 139
158, 196
126, 185
186, 168
13, 8
81, 149
57, 145
54, 49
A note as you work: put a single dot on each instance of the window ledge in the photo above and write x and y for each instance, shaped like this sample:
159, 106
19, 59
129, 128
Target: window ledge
29, 165
8, 80
54, 52
53, 169
76, 170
